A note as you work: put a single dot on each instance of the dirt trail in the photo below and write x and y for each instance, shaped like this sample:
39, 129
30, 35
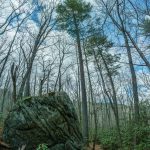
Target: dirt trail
1, 130
97, 147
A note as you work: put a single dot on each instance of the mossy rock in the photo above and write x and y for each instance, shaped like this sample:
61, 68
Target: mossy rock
49, 119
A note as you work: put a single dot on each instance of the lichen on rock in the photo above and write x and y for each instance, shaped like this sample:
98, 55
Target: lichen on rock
49, 119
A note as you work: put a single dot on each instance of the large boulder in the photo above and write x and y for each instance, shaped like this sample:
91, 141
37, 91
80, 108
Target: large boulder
49, 119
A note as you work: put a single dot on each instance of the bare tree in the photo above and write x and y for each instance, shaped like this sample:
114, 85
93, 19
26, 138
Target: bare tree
14, 80
46, 25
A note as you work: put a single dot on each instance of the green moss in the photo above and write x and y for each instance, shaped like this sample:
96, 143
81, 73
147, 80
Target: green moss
27, 98
20, 101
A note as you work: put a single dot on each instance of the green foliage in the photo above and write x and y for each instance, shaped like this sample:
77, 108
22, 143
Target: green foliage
99, 41
69, 11
99, 45
144, 111
146, 27
142, 134
112, 63
109, 140
42, 147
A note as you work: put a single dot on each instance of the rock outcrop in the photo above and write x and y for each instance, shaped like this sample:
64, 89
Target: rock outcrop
49, 119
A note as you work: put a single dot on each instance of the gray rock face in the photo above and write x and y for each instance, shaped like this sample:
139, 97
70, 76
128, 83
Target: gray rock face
49, 119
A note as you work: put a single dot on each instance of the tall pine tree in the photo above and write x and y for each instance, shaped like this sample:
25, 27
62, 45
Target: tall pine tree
71, 14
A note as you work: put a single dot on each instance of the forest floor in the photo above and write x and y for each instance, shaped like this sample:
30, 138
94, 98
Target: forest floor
1, 129
97, 147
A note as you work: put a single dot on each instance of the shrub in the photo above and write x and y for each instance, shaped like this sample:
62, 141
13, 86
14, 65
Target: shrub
108, 139
142, 134
42, 147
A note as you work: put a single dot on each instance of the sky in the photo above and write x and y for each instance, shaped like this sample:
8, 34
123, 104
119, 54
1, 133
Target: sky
32, 23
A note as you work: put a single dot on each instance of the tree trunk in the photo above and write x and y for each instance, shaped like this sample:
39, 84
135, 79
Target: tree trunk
113, 103
114, 97
134, 82
27, 86
93, 102
14, 80
83, 88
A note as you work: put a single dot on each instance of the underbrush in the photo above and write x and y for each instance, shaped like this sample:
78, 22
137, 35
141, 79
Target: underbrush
108, 138
42, 147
